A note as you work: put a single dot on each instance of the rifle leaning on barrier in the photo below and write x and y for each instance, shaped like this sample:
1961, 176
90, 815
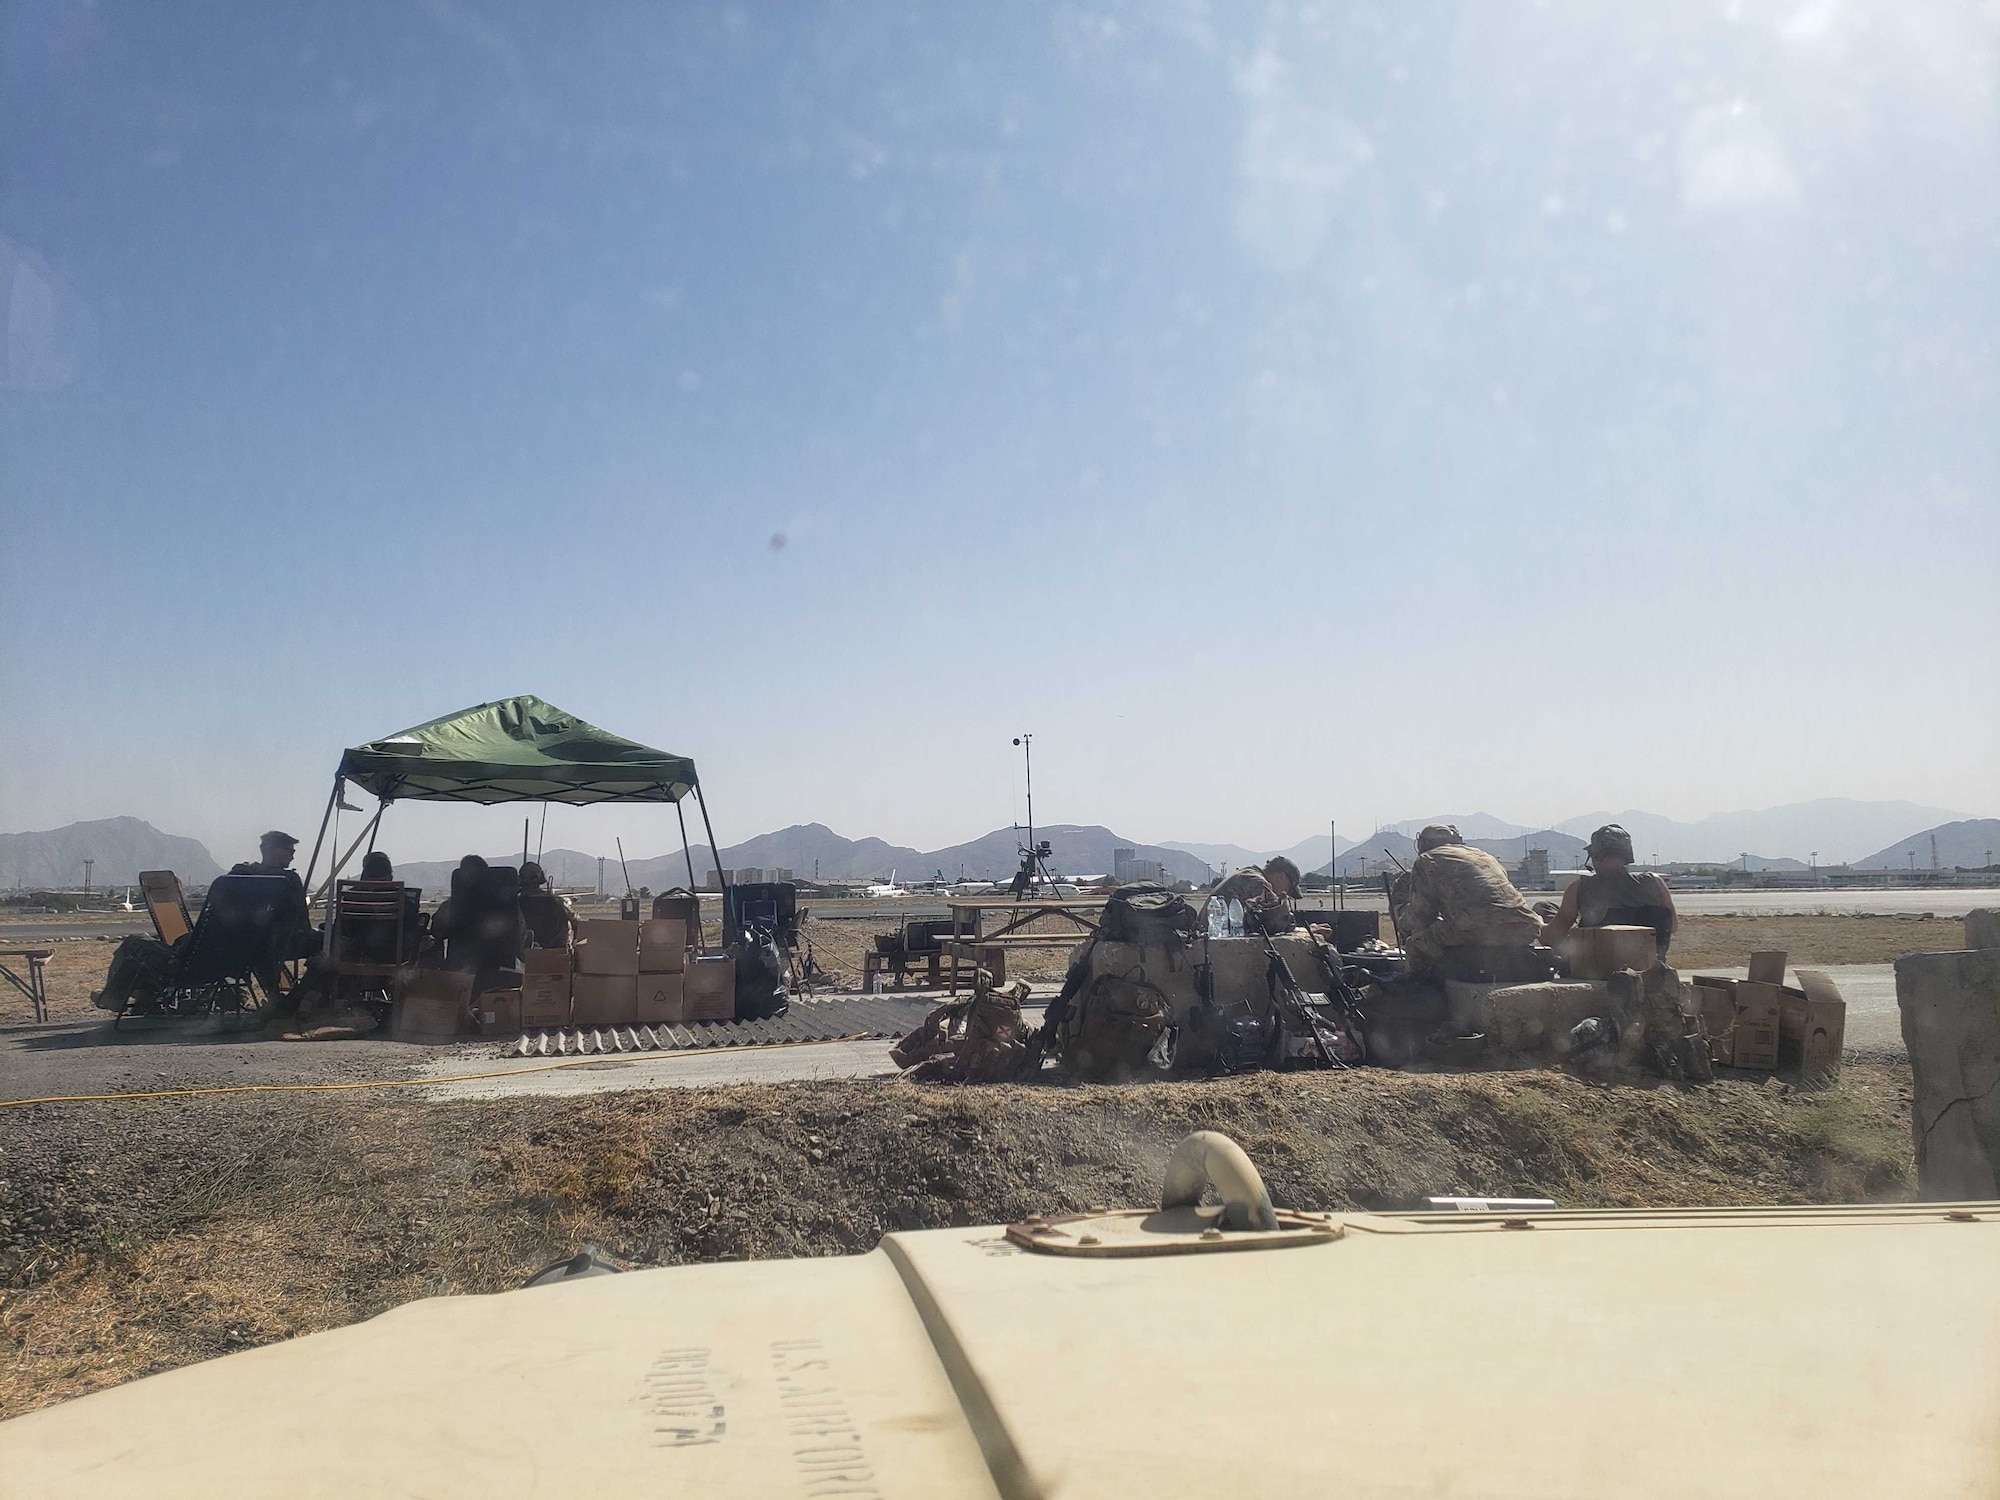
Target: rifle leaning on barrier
1288, 1002
1057, 1010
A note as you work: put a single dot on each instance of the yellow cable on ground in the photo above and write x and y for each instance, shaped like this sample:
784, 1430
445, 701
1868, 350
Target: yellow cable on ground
391, 1083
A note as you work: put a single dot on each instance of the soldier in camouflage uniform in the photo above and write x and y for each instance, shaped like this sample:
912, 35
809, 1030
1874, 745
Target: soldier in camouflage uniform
1265, 893
1460, 897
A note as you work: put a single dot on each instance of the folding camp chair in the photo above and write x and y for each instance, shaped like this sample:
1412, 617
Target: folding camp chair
167, 905
234, 961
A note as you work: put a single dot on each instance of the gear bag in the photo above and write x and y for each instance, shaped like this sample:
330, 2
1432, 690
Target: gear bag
1109, 1030
760, 975
981, 1040
1148, 913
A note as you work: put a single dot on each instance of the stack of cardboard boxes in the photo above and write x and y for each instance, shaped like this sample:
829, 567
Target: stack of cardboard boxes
626, 974
605, 991
663, 955
1761, 1022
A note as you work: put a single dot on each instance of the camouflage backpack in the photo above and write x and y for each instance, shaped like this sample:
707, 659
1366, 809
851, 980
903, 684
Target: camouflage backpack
1109, 1033
1148, 913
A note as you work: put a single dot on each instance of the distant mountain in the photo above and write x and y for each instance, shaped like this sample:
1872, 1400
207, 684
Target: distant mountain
566, 867
1075, 850
1565, 852
1235, 856
119, 849
1837, 828
1385, 844
1471, 826
804, 846
1970, 843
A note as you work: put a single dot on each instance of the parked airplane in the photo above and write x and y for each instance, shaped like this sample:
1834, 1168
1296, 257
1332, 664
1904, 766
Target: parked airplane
885, 892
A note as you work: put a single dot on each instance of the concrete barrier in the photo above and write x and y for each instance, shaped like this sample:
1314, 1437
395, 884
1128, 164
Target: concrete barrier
1950, 1004
1982, 927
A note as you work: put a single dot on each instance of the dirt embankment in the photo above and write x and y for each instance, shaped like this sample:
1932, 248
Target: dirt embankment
138, 1237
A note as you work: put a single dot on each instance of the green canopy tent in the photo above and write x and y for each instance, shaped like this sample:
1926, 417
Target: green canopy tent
516, 750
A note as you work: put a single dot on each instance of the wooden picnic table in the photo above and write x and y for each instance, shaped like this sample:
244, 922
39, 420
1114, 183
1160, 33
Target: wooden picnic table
970, 941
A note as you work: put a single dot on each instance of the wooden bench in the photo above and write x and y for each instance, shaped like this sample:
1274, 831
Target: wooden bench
35, 986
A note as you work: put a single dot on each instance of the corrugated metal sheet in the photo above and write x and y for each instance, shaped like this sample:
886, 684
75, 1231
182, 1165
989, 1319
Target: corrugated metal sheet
829, 1019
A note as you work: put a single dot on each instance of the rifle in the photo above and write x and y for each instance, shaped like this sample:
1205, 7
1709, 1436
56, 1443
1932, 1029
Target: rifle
1288, 1001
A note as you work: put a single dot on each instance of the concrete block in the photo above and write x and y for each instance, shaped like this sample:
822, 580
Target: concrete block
1982, 928
1534, 1019
1951, 1025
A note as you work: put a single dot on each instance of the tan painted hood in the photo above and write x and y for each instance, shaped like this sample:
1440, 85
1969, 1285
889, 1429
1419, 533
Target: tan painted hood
1725, 1352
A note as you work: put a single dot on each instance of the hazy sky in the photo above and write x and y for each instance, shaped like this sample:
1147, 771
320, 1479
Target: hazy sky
1284, 412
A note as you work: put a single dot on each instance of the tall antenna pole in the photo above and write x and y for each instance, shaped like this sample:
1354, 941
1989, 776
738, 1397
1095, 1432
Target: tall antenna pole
1026, 742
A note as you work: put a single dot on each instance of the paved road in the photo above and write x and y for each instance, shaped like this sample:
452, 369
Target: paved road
658, 1070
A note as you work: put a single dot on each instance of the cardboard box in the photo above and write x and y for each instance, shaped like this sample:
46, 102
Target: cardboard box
1812, 1027
661, 1000
709, 989
545, 1002
432, 1006
1767, 967
607, 948
1600, 952
604, 999
498, 1012
1716, 1000
1758, 1006
548, 961
663, 946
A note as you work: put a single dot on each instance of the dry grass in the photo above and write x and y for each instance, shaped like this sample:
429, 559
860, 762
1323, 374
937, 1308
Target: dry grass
1718, 942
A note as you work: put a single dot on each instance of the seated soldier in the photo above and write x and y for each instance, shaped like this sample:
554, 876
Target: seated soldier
1460, 897
275, 853
374, 940
551, 923
1265, 892
1612, 896
480, 922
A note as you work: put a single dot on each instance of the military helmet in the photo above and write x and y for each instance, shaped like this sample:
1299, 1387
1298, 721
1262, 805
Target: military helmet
1612, 840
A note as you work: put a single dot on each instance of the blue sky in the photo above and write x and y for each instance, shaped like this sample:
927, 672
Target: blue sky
1285, 412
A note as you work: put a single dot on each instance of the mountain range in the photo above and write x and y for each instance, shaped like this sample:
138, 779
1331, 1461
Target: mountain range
1968, 844
1831, 830
118, 848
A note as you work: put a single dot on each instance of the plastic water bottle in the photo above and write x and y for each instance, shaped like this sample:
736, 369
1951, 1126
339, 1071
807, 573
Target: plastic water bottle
1218, 919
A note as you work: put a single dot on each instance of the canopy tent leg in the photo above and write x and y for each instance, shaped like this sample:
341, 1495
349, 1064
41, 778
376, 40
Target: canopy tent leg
313, 863
686, 852
714, 853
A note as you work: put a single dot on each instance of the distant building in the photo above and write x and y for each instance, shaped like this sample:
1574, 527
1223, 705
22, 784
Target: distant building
1533, 871
1127, 868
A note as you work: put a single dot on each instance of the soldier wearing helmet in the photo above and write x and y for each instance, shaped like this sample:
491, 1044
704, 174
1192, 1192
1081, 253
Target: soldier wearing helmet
1612, 895
1459, 897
